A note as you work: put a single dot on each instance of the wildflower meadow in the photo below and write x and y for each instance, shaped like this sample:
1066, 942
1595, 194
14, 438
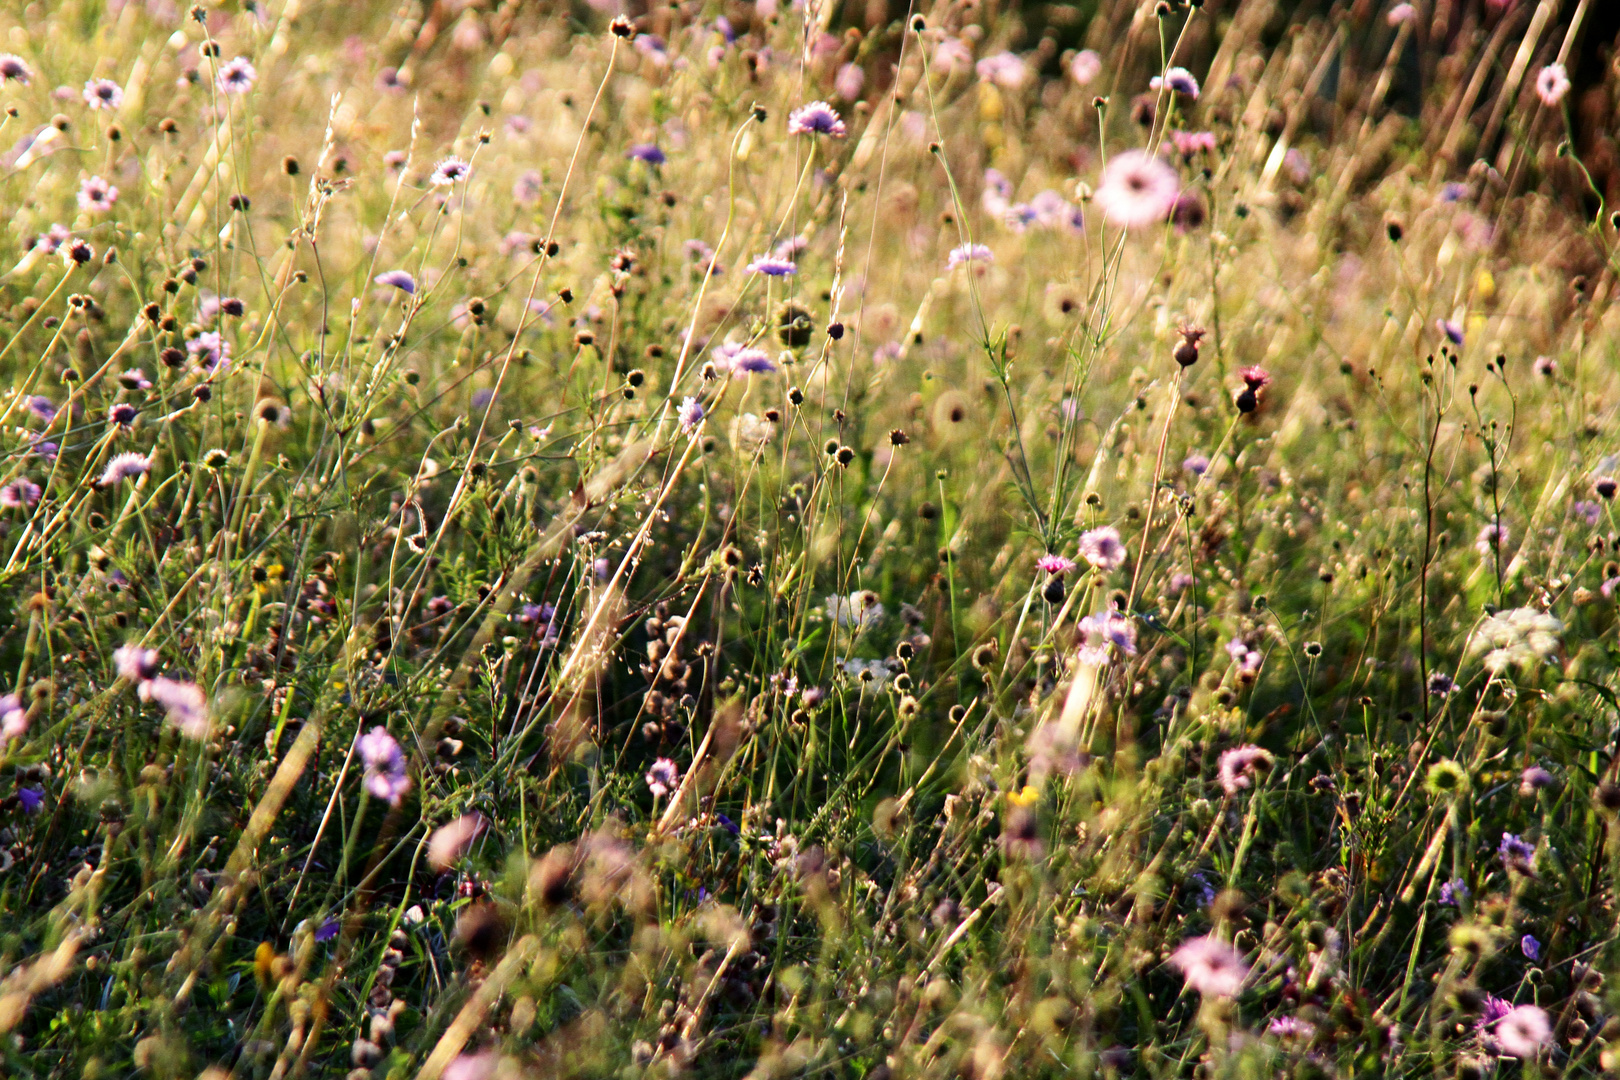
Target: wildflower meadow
791, 539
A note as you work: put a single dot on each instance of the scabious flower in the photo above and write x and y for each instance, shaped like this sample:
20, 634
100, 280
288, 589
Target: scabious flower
96, 195
1102, 548
1210, 966
1239, 766
1106, 633
184, 704
1552, 84
1085, 66
1054, 564
237, 76
751, 361
129, 465
211, 351
103, 94
13, 69
967, 253
135, 663
451, 841
851, 79
1588, 511
1291, 1029
662, 777
122, 414
399, 279
1452, 330
691, 414
1243, 656
18, 494
13, 719
1137, 189
1605, 487
1533, 779
452, 170
1516, 853
42, 407
1178, 80
386, 775
1531, 948
1522, 1032
816, 118
1197, 464
1453, 893
646, 153
1441, 685
771, 266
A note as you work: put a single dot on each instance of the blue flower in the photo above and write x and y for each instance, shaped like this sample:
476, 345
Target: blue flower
1530, 947
648, 153
399, 279
328, 930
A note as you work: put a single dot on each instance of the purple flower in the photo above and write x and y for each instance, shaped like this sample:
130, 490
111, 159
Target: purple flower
12, 69
648, 153
1054, 564
662, 777
752, 362
967, 253
816, 118
386, 775
1533, 779
1441, 684
399, 279
327, 931
103, 94
691, 414
1179, 80
1453, 893
1106, 632
1451, 329
31, 800
1516, 853
1588, 511
42, 407
212, 352
13, 719
237, 76
1102, 548
452, 170
122, 414
1531, 948
96, 195
184, 704
771, 266
126, 466
1197, 464
18, 494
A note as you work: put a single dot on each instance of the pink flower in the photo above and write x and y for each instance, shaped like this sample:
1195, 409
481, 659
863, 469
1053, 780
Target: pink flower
1106, 632
1210, 966
1137, 189
103, 94
1005, 69
851, 78
816, 118
1522, 1032
450, 842
452, 170
135, 663
1085, 66
1400, 13
663, 777
1102, 548
95, 194
1239, 766
1054, 564
1178, 80
13, 718
237, 76
1552, 84
126, 466
184, 704
968, 253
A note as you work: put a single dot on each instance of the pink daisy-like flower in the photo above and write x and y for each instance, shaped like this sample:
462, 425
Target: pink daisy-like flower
1189, 143
1054, 564
184, 704
662, 777
1239, 766
1085, 67
1523, 1032
237, 76
13, 69
126, 466
1102, 548
816, 118
1552, 84
1137, 189
13, 718
450, 171
450, 842
103, 94
96, 195
1210, 966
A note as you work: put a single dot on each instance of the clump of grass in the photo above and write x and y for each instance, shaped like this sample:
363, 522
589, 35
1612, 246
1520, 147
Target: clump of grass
726, 541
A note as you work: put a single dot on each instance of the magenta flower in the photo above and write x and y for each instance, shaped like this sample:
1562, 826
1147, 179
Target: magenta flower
1137, 189
96, 195
386, 775
1102, 548
450, 171
103, 94
1054, 564
1239, 766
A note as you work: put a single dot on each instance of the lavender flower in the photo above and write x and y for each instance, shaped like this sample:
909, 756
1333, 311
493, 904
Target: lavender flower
647, 153
126, 466
1178, 80
816, 118
31, 800
752, 362
1533, 779
771, 266
1452, 330
663, 777
967, 253
386, 775
691, 414
1516, 853
1105, 633
1531, 948
211, 351
42, 407
1007, 70
1453, 893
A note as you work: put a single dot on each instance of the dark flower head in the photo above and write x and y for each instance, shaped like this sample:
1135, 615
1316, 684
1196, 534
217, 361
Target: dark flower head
648, 153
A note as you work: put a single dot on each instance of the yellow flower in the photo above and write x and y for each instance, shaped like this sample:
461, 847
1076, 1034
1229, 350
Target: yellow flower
1025, 798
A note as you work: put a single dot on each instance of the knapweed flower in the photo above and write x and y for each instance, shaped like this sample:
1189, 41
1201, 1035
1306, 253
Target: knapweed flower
662, 777
1240, 765
1604, 487
1552, 84
647, 153
450, 842
1453, 893
122, 414
1533, 779
1523, 1032
13, 718
1054, 564
135, 663
1137, 189
399, 279
771, 266
13, 69
386, 775
96, 195
1516, 853
211, 351
103, 94
1255, 377
1085, 66
184, 704
1102, 548
1210, 966
1178, 80
967, 253
691, 414
126, 466
1106, 633
18, 494
237, 76
452, 170
816, 118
